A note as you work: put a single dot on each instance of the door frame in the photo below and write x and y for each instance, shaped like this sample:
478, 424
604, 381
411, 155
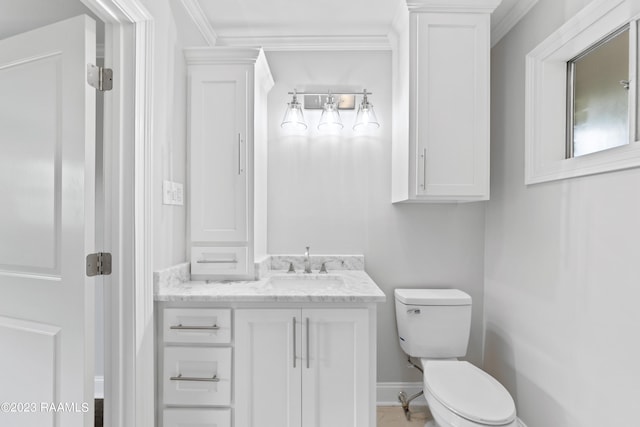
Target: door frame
128, 292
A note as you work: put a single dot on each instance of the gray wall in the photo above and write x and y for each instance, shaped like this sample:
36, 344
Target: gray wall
561, 266
333, 193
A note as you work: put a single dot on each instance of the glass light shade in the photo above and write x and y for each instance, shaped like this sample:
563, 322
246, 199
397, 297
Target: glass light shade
330, 118
293, 117
366, 117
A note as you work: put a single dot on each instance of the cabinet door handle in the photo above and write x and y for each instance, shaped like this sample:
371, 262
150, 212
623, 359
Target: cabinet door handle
213, 379
424, 168
308, 357
195, 328
239, 155
294, 342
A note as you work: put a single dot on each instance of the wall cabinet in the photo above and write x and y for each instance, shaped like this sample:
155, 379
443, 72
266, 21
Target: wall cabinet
227, 149
303, 367
440, 149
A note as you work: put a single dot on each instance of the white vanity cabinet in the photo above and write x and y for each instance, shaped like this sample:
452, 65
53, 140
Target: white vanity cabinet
309, 367
227, 159
441, 56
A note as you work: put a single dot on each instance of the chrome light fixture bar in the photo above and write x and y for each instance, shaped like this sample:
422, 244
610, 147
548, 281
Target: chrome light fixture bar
330, 104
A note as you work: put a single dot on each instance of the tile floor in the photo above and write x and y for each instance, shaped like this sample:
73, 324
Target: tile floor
393, 416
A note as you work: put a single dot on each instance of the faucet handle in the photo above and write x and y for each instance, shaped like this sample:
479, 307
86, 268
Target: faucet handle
291, 269
323, 268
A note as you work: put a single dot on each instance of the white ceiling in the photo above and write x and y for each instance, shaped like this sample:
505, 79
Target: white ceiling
225, 22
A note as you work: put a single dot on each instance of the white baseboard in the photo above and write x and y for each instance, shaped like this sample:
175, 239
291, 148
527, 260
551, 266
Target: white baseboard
387, 393
98, 392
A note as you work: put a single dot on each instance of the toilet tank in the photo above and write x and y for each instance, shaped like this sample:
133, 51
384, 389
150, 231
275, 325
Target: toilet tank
433, 323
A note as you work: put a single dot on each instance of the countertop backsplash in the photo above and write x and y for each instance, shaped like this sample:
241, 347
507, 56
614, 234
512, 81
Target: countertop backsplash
180, 273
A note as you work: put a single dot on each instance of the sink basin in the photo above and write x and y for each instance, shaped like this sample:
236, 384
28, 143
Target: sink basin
305, 282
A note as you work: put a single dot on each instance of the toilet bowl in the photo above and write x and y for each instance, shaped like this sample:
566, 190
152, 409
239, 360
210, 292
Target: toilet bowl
461, 395
434, 325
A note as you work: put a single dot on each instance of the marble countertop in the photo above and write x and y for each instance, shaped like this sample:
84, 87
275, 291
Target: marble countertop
354, 286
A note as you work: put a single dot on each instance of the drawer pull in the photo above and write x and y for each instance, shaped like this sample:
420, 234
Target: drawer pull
195, 328
213, 379
217, 261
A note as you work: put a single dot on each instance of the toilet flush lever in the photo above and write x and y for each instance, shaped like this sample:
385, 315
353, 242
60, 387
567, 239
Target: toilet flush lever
413, 311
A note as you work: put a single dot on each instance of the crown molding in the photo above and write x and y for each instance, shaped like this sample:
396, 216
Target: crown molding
475, 6
199, 18
222, 55
515, 14
309, 43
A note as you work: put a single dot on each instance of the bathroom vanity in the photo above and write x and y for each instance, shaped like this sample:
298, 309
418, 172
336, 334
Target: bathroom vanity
288, 349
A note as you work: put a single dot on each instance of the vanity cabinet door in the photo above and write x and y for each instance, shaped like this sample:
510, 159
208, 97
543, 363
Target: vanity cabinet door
303, 367
218, 147
336, 382
267, 367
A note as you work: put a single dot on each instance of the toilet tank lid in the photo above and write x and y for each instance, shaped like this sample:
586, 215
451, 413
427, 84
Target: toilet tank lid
432, 297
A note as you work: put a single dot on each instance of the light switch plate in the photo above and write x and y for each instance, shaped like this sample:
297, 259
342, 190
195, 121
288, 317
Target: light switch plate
167, 192
172, 193
178, 193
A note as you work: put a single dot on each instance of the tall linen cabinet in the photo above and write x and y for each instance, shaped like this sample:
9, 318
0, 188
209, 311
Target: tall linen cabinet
227, 127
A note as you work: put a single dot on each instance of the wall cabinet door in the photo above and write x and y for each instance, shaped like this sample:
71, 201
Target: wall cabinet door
451, 126
306, 368
267, 368
335, 372
441, 55
218, 153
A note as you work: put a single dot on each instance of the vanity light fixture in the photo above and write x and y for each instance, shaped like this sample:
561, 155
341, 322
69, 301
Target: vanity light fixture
330, 104
293, 117
366, 117
330, 117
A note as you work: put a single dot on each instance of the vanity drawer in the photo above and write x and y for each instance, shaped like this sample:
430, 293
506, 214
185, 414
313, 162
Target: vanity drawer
197, 376
219, 261
197, 325
196, 417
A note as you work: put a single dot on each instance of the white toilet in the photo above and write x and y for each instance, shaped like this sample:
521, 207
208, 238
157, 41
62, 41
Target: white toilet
434, 325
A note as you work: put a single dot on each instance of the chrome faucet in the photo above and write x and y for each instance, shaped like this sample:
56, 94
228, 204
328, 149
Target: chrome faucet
307, 261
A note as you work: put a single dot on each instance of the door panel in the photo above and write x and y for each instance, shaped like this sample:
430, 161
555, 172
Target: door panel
47, 161
335, 383
218, 154
30, 161
452, 104
267, 382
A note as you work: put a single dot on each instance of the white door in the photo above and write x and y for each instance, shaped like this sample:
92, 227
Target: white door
335, 373
267, 368
47, 137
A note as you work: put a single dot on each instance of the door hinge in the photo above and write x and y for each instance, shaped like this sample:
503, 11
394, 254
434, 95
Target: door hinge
99, 77
99, 264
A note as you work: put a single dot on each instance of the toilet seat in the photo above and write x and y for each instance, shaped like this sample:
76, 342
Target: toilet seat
469, 392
